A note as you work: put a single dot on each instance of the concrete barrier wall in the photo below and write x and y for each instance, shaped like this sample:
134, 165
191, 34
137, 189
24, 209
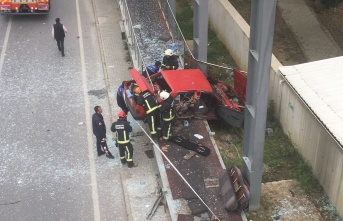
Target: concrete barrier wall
314, 143
311, 139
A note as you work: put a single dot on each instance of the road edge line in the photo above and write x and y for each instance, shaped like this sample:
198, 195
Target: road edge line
95, 196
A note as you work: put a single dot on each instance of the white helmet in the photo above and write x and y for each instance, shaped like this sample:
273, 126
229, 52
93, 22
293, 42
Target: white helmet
164, 95
168, 52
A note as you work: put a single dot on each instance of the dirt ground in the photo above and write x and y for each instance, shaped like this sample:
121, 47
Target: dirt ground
331, 19
286, 202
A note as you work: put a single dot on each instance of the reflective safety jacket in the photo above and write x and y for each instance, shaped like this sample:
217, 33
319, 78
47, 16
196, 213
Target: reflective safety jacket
122, 128
148, 101
167, 109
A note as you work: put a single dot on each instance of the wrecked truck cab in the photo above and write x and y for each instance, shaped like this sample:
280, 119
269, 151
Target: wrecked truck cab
194, 95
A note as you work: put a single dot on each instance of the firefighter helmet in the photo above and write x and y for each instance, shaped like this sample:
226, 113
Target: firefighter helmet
137, 90
164, 95
122, 114
168, 52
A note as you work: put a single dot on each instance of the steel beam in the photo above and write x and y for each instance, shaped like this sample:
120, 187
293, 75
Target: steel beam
200, 32
260, 53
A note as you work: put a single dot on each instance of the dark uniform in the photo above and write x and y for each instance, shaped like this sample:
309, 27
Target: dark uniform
120, 99
151, 110
152, 69
122, 128
167, 114
170, 61
99, 130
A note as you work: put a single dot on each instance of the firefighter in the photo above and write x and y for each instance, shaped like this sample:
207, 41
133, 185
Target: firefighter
167, 114
151, 108
152, 69
169, 61
122, 128
99, 130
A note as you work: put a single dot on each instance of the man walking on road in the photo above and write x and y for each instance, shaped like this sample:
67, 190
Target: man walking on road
122, 128
58, 33
99, 130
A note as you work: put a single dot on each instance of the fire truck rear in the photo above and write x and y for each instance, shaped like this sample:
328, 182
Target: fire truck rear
24, 6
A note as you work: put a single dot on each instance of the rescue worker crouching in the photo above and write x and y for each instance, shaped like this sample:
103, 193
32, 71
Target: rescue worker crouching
122, 128
167, 114
137, 91
152, 69
169, 61
151, 108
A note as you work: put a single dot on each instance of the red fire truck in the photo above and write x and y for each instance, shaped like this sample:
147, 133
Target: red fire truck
24, 6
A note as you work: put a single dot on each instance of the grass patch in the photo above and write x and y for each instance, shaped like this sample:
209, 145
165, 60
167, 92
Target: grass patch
216, 51
184, 17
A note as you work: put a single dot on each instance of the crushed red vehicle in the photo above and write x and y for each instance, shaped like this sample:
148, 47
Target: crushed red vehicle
194, 94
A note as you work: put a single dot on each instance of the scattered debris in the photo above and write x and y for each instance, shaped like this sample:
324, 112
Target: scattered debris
189, 155
269, 132
211, 133
198, 136
211, 182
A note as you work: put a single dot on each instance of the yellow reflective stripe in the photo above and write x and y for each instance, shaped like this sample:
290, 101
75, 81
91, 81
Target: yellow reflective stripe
168, 119
152, 126
122, 141
168, 133
169, 128
154, 108
147, 104
128, 154
122, 158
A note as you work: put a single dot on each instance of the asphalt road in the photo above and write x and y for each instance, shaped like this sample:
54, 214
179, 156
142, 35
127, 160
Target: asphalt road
48, 166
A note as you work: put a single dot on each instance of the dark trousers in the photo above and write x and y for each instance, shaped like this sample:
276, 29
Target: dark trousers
126, 154
121, 103
60, 45
166, 129
101, 145
153, 119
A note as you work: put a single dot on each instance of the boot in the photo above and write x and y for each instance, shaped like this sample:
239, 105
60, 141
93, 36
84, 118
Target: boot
101, 153
109, 155
133, 165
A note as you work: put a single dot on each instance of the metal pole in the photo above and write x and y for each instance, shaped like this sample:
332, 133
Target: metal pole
200, 32
260, 53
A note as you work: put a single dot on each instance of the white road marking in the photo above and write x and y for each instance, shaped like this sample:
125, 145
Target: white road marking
4, 48
94, 184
